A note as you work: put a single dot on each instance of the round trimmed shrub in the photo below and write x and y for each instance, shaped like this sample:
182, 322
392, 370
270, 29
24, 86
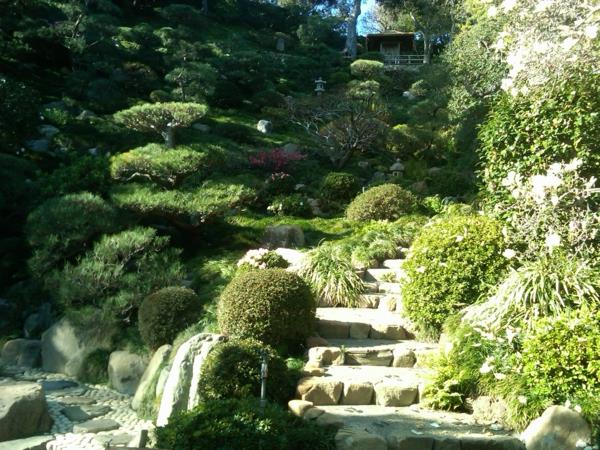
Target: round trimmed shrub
339, 186
242, 425
271, 305
167, 312
452, 262
384, 202
232, 370
366, 69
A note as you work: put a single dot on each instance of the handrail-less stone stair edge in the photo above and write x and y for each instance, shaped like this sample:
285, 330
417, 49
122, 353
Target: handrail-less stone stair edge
366, 374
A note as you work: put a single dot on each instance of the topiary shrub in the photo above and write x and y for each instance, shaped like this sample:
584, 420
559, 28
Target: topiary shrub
232, 370
262, 258
271, 305
243, 425
366, 69
167, 312
339, 186
384, 202
559, 362
452, 262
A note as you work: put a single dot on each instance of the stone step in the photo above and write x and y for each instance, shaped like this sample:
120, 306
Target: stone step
387, 302
389, 288
370, 287
381, 275
371, 352
408, 428
394, 264
361, 323
363, 385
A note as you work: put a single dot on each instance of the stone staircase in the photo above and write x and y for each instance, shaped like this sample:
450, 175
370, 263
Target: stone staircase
368, 379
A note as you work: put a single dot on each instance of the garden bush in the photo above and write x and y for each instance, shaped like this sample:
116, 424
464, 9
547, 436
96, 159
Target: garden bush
384, 202
329, 272
271, 305
64, 227
366, 69
236, 132
262, 258
559, 362
339, 186
452, 262
232, 370
290, 205
554, 123
81, 173
154, 162
165, 313
242, 425
118, 273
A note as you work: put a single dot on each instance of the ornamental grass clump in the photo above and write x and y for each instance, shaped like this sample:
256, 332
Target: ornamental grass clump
332, 277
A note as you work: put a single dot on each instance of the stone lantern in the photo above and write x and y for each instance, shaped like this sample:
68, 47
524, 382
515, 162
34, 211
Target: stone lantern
320, 86
397, 168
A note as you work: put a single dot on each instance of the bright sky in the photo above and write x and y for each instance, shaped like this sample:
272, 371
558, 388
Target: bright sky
368, 6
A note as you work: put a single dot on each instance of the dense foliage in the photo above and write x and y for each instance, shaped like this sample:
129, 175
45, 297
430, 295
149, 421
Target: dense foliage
452, 262
165, 313
240, 424
233, 370
271, 305
384, 202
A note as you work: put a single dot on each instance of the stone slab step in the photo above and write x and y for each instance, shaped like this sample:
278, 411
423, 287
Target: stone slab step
381, 275
96, 426
370, 287
409, 428
381, 300
391, 288
408, 353
363, 385
361, 323
394, 264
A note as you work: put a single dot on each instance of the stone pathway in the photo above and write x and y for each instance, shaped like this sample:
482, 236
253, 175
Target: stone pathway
86, 417
369, 379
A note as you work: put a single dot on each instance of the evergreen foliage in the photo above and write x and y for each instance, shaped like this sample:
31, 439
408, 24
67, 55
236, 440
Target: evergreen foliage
384, 202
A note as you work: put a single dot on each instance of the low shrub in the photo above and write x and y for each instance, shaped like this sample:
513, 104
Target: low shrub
329, 272
384, 202
232, 370
94, 370
290, 205
167, 312
241, 424
366, 69
262, 258
236, 132
339, 186
82, 173
452, 262
559, 363
271, 305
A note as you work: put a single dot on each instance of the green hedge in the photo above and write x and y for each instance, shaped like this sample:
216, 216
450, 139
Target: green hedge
366, 69
384, 202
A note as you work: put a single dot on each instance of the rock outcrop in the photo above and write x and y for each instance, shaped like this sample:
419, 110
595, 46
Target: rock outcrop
23, 411
125, 371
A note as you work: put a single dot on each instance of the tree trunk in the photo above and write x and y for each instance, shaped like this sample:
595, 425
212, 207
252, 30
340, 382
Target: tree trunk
426, 48
169, 137
351, 33
205, 7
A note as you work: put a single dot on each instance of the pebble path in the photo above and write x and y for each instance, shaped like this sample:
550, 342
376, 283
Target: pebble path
94, 395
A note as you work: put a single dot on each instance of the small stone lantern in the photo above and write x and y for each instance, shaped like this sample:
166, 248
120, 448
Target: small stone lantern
320, 86
397, 168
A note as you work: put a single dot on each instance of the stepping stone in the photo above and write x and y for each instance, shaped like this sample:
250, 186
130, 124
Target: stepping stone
369, 300
380, 275
75, 414
396, 394
96, 410
114, 439
31, 443
57, 385
320, 390
370, 288
390, 288
333, 329
96, 426
369, 357
394, 264
76, 401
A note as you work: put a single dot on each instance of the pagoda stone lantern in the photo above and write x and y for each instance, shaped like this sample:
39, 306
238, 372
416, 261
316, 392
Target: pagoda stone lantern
320, 86
397, 168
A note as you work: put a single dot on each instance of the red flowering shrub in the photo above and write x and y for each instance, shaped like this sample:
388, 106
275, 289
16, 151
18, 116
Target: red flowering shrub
275, 160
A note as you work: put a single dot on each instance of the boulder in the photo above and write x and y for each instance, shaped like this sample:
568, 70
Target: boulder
31, 443
96, 426
125, 371
65, 345
23, 411
395, 394
387, 331
295, 258
404, 357
359, 330
290, 148
283, 236
488, 410
180, 392
38, 145
325, 356
38, 322
22, 352
264, 126
357, 394
351, 439
152, 372
201, 127
558, 428
48, 131
299, 407
332, 329
320, 390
